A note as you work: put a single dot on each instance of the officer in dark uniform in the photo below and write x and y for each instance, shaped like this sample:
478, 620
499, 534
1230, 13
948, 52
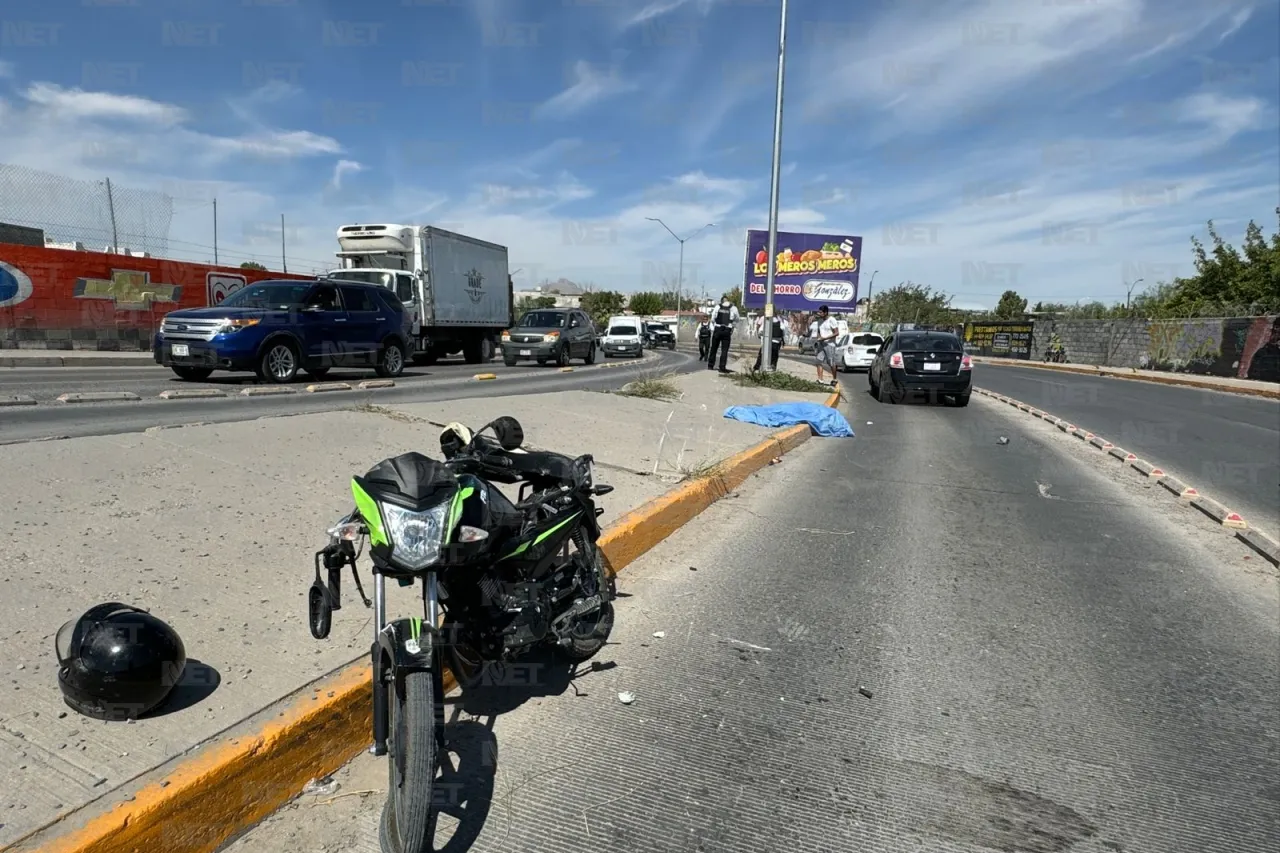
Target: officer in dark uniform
704, 337
722, 334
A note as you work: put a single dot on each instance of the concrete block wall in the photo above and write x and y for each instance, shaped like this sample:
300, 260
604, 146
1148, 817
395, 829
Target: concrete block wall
1239, 347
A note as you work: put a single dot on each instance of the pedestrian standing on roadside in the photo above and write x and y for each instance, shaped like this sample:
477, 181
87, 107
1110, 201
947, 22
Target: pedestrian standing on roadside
722, 334
775, 344
825, 350
704, 337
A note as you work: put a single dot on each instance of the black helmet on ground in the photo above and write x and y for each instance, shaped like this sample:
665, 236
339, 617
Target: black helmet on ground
117, 662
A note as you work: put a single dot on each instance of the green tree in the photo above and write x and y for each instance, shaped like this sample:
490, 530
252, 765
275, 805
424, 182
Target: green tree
1011, 305
646, 303
735, 297
600, 305
912, 303
531, 303
252, 265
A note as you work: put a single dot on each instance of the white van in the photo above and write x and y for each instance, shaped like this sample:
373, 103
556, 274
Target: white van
623, 337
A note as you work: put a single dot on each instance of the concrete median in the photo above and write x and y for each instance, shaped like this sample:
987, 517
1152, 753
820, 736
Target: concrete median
213, 528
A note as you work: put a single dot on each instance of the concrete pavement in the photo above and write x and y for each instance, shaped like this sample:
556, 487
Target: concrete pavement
955, 645
213, 527
1227, 445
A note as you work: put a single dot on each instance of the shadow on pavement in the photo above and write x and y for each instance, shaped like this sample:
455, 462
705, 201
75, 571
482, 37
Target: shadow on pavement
504, 687
464, 789
197, 683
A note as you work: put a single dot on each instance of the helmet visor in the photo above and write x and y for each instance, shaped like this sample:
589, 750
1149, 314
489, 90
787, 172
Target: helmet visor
62, 641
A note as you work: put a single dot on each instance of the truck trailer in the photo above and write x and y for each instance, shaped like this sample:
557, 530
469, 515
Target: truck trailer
457, 289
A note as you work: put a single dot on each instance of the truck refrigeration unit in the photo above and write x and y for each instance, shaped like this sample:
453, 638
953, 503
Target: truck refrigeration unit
456, 289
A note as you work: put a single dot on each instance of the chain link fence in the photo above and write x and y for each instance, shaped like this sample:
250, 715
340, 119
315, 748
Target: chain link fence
99, 214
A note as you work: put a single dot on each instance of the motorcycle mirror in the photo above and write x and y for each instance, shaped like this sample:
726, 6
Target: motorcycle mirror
508, 432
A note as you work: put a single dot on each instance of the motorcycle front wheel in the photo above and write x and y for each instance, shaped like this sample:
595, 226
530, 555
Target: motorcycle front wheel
408, 817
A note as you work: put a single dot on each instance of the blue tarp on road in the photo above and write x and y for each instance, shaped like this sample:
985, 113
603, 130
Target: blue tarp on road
824, 421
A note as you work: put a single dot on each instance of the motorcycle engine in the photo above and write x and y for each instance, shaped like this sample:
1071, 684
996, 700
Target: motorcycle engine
521, 611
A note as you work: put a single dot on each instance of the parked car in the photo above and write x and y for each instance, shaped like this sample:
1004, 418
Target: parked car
927, 362
659, 335
551, 334
623, 338
857, 350
277, 328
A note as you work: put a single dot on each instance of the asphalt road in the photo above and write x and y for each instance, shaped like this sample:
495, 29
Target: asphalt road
1226, 445
45, 384
71, 420
889, 643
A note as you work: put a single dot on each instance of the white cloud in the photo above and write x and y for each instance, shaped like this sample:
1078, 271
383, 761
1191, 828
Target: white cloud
926, 70
590, 85
1237, 20
73, 104
1228, 116
655, 9
342, 169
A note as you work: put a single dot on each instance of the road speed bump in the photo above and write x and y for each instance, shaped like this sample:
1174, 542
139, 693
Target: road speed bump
484, 377
99, 397
191, 394
266, 391
328, 386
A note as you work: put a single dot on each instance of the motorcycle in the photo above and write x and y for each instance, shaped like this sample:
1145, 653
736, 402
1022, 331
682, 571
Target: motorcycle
1056, 354
499, 578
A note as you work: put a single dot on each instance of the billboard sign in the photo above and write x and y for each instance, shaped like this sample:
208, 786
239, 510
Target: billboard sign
1002, 340
812, 270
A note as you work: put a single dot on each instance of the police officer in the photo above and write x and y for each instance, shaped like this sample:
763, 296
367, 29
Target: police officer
776, 338
704, 337
722, 333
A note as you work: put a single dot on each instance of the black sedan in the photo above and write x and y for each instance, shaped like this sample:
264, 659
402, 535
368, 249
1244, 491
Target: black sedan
921, 362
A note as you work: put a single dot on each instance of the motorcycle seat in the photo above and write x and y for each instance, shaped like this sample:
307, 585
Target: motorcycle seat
542, 463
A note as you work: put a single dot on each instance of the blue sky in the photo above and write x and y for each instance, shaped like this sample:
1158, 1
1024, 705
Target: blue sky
1064, 148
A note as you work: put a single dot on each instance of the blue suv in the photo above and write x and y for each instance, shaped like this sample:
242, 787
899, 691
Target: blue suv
277, 328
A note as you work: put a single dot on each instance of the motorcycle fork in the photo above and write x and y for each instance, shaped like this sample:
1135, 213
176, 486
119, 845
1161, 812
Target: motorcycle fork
382, 671
431, 610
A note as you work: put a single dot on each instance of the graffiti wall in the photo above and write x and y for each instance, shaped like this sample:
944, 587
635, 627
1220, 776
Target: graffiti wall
62, 299
1237, 347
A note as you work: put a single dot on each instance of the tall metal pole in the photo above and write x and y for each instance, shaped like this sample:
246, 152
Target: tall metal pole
679, 288
284, 262
111, 208
766, 362
871, 284
215, 232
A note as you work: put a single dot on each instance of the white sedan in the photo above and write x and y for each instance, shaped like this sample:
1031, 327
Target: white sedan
856, 351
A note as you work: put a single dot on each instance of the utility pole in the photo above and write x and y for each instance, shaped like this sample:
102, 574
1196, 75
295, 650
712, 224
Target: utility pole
680, 274
1129, 292
284, 262
111, 208
870, 285
766, 360
215, 232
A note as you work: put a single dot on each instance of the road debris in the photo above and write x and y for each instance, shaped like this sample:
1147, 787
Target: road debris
320, 787
752, 646
626, 698
659, 634
1002, 440
865, 692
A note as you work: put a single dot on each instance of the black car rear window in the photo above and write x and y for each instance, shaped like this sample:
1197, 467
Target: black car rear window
933, 343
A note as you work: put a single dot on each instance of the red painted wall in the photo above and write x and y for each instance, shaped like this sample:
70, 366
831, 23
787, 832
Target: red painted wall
62, 290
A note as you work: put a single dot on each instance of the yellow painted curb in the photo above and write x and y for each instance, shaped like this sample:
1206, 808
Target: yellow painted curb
229, 786
483, 376
566, 370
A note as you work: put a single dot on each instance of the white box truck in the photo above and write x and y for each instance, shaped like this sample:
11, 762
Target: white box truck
457, 290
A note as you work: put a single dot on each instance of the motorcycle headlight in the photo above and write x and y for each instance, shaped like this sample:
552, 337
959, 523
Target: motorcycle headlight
416, 537
584, 472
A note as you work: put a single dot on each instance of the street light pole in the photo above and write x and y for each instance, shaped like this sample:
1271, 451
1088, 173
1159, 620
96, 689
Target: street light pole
766, 359
680, 273
1129, 293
